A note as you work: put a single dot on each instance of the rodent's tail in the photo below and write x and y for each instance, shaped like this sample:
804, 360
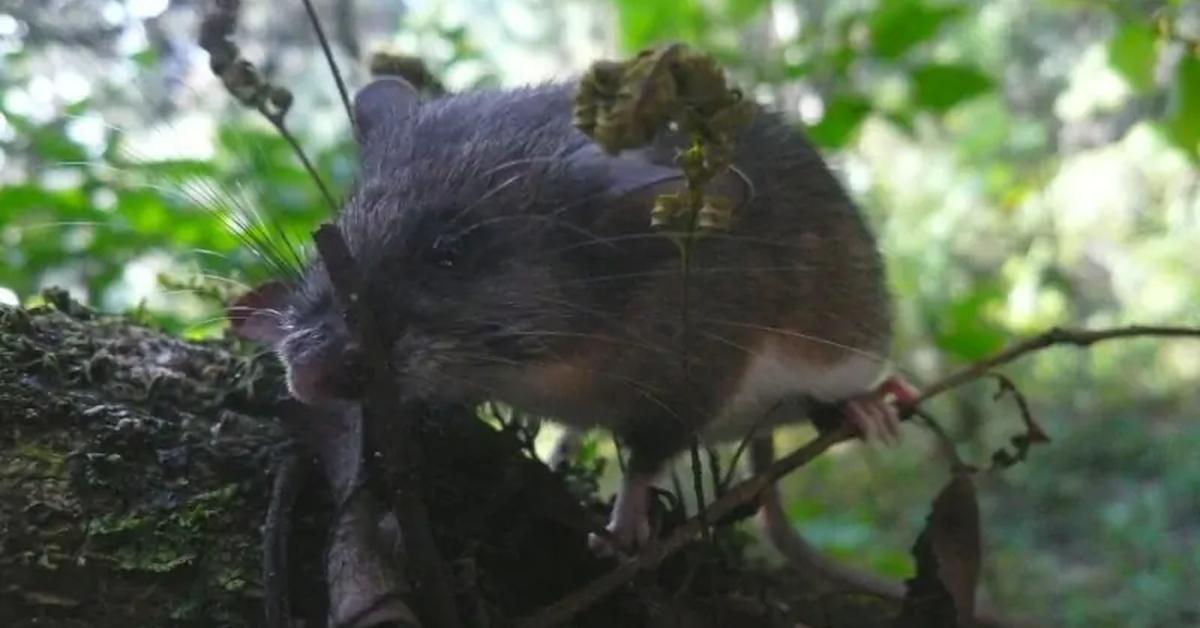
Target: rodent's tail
808, 561
799, 553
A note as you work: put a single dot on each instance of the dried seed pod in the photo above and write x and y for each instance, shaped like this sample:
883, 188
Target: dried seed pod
407, 67
244, 82
624, 104
280, 100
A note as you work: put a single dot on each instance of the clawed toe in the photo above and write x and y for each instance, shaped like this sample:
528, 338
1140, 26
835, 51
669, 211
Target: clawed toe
874, 414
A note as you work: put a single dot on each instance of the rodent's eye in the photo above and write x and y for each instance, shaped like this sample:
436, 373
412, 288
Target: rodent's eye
446, 251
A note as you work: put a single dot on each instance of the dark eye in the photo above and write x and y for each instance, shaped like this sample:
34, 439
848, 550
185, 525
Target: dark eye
446, 251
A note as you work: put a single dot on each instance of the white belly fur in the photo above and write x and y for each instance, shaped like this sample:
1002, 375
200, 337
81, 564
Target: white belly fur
773, 377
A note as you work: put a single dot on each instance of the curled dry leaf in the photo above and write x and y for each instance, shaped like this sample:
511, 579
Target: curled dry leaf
948, 554
1034, 434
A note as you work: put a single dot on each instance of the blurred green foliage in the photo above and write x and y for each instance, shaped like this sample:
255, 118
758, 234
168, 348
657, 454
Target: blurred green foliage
1025, 164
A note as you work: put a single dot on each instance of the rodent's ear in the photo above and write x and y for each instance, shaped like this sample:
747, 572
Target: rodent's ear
257, 315
623, 175
381, 100
633, 180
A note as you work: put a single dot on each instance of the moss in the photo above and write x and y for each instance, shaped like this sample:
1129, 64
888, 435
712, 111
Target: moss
120, 501
35, 460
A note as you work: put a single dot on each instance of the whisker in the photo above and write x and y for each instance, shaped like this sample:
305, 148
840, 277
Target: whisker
664, 272
229, 280
203, 322
520, 162
482, 197
236, 309
583, 335
870, 355
67, 223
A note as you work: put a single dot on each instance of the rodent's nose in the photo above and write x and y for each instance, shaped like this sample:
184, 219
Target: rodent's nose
323, 364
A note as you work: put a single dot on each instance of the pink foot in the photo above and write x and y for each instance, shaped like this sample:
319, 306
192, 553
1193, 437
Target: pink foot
628, 526
874, 414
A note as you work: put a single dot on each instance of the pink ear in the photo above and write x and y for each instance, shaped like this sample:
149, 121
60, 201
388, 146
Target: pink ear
257, 315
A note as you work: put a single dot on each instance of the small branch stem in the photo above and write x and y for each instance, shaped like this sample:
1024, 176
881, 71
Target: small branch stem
281, 127
1055, 336
276, 535
327, 50
390, 444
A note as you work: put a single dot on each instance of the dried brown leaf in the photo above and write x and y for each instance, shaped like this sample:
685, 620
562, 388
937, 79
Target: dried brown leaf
948, 553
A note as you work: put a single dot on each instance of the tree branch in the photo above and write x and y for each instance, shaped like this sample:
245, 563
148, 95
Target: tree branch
276, 533
389, 439
327, 50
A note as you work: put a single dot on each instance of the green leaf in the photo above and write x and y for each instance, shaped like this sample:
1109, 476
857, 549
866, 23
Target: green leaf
51, 143
964, 328
1182, 122
645, 23
939, 87
843, 115
1132, 52
899, 25
740, 11
903, 120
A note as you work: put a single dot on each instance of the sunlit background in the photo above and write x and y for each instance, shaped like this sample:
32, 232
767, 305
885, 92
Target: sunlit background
1026, 164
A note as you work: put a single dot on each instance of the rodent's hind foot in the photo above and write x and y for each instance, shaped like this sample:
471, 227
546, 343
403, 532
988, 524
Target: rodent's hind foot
619, 542
874, 414
628, 525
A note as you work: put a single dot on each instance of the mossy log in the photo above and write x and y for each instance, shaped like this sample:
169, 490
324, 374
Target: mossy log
136, 470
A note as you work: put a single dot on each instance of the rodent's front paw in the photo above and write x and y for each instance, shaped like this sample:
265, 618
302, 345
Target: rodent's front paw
875, 419
875, 413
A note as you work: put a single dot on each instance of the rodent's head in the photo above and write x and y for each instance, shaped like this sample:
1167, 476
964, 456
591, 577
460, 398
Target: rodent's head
482, 223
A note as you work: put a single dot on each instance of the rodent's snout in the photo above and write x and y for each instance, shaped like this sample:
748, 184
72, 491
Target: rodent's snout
322, 363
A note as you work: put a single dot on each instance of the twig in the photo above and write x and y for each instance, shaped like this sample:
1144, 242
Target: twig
328, 52
281, 127
747, 441
750, 489
1055, 336
389, 432
714, 470
698, 487
276, 533
944, 440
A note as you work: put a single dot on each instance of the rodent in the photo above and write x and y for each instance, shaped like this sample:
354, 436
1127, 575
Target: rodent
514, 260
